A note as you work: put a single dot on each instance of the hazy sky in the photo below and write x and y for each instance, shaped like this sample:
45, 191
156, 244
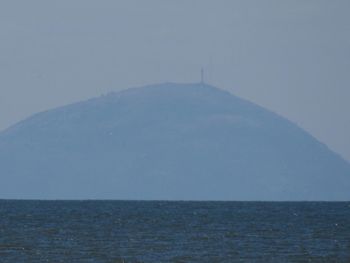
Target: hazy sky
292, 57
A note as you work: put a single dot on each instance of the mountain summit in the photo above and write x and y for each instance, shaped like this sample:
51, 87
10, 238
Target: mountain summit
167, 141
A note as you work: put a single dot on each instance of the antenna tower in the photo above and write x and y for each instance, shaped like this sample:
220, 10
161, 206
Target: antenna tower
202, 76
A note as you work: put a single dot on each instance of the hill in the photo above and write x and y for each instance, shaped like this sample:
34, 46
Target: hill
167, 141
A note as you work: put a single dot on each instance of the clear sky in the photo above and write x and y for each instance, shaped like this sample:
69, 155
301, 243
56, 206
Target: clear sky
292, 57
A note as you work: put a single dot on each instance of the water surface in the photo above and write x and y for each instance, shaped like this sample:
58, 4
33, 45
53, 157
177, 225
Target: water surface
138, 231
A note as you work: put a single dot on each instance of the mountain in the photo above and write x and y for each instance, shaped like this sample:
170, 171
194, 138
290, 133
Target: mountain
167, 141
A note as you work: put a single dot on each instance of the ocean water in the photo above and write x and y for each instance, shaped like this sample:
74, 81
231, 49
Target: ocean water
137, 231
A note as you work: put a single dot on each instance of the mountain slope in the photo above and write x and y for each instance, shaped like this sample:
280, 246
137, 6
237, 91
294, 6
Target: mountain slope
167, 141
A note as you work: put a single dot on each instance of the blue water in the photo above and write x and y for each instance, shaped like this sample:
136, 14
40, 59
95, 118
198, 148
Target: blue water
135, 231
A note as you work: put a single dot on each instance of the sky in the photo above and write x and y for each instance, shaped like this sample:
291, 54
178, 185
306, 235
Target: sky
291, 57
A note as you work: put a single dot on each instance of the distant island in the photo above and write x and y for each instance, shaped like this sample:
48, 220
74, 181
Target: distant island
167, 142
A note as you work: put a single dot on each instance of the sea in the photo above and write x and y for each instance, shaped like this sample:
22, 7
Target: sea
172, 231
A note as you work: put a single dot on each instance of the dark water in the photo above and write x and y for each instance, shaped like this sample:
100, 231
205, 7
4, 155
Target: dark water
131, 231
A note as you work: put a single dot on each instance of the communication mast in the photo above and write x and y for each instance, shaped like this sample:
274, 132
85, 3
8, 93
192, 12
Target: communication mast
202, 76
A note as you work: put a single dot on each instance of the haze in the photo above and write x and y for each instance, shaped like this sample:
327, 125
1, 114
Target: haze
292, 57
